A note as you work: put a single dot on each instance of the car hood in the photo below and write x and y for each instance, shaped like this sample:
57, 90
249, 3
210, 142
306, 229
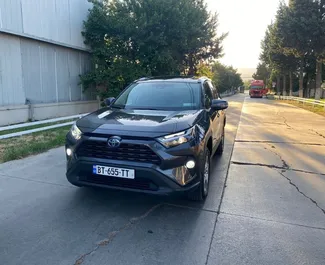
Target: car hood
135, 121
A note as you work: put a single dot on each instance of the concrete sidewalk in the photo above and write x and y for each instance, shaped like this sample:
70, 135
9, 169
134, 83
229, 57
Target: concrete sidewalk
273, 210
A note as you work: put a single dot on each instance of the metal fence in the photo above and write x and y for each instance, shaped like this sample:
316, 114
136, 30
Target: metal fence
304, 101
29, 124
228, 93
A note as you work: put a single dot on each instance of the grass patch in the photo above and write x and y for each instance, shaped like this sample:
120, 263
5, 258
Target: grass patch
312, 99
317, 109
31, 144
33, 127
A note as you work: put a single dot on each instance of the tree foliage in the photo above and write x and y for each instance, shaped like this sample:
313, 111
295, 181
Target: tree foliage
294, 41
262, 72
204, 70
225, 77
134, 38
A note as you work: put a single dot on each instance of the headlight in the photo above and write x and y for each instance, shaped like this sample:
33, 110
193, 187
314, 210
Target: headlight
176, 139
75, 132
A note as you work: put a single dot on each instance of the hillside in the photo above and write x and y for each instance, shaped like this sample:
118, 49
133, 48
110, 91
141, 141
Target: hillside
246, 73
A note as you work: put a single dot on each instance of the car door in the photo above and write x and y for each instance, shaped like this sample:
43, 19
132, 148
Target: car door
220, 115
208, 97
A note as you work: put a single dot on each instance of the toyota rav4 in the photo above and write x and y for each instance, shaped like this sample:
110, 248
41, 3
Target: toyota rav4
158, 136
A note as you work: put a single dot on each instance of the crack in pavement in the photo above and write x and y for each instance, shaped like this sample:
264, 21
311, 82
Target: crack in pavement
276, 167
319, 134
284, 119
113, 234
37, 181
273, 221
277, 142
297, 188
301, 131
284, 169
132, 221
284, 163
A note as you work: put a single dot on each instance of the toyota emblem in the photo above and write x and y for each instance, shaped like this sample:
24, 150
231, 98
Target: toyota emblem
114, 142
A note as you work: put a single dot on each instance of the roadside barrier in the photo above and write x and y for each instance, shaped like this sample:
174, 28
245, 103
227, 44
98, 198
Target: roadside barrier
304, 101
29, 124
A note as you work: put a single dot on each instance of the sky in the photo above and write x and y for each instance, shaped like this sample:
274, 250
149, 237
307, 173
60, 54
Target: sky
246, 22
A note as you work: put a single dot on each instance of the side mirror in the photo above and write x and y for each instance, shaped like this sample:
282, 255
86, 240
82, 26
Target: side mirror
109, 101
219, 104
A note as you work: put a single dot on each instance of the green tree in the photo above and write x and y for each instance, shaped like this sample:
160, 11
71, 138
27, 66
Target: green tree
319, 46
262, 72
134, 38
301, 32
226, 77
273, 55
204, 70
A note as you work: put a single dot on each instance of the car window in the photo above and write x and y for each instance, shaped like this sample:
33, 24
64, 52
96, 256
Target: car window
161, 96
207, 96
214, 90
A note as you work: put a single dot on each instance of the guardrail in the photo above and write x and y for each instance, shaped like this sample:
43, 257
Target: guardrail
302, 100
227, 94
29, 124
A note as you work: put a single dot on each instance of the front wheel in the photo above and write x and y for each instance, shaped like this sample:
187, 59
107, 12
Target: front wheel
201, 192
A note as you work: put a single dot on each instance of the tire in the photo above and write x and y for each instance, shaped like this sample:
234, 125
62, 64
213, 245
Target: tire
202, 191
221, 146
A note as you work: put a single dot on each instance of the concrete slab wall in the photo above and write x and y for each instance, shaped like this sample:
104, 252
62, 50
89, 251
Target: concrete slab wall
58, 21
40, 72
22, 113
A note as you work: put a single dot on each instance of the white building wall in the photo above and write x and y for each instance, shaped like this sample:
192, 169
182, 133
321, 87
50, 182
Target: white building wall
42, 55
58, 21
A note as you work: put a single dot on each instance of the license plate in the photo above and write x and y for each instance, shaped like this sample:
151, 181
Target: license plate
114, 172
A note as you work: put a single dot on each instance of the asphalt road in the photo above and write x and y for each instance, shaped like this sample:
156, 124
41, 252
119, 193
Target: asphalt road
266, 204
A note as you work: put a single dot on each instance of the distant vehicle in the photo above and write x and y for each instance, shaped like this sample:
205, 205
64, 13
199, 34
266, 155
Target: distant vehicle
257, 89
157, 137
242, 89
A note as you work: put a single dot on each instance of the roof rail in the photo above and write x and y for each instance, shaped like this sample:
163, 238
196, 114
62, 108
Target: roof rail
204, 77
164, 77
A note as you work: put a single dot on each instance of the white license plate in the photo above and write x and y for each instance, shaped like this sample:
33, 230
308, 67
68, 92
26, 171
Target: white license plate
114, 172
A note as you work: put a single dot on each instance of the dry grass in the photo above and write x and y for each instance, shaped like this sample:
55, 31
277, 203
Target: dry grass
31, 144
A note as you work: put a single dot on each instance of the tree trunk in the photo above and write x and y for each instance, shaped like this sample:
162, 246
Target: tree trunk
284, 88
291, 83
318, 91
191, 70
308, 92
301, 79
278, 85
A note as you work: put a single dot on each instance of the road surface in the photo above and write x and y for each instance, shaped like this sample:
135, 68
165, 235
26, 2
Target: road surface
266, 203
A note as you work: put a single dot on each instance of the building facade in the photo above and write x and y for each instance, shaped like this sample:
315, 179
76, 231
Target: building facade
42, 55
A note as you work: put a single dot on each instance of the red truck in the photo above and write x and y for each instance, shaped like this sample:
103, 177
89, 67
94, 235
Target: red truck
257, 89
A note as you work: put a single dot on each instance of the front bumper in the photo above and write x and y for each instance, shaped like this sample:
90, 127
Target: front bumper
170, 176
147, 180
257, 94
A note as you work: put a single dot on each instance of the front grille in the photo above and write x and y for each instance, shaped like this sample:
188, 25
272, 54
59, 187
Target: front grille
125, 152
140, 184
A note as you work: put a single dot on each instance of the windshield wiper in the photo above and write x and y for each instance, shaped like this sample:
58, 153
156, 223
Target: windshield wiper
117, 107
145, 109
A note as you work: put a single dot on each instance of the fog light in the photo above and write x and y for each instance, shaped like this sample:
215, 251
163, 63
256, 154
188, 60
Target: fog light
190, 164
69, 152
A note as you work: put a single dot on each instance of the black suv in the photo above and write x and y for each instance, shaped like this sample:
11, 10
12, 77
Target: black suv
157, 136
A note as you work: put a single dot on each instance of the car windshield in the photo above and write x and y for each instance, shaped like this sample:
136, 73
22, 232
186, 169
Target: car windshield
160, 96
256, 87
